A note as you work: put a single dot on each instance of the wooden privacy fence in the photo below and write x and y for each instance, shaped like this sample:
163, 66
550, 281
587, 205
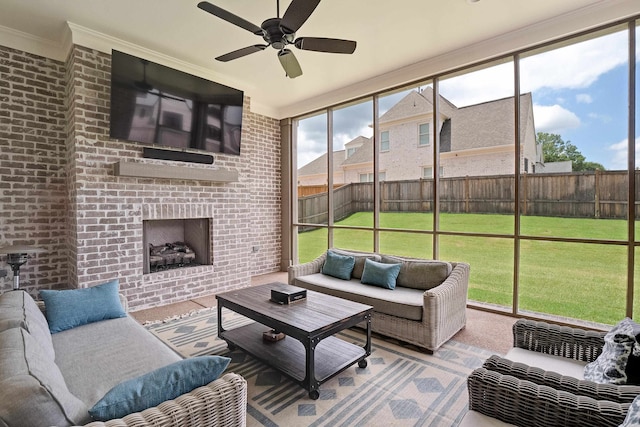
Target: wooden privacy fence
600, 194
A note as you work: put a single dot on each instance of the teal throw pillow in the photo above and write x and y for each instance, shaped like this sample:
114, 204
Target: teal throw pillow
75, 307
166, 383
380, 274
339, 266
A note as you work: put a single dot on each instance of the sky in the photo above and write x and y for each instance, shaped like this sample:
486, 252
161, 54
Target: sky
579, 92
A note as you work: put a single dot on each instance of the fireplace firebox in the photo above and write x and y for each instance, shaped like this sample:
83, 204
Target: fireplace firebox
175, 243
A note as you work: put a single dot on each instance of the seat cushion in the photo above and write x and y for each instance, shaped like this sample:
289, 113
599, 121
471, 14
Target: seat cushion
33, 391
18, 309
400, 302
559, 364
93, 358
476, 419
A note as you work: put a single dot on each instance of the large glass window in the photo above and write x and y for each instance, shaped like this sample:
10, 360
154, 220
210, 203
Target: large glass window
478, 150
518, 166
579, 101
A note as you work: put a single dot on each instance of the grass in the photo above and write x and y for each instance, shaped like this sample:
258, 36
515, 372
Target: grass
576, 280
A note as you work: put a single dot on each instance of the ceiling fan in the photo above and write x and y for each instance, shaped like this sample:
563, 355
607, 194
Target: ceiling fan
280, 33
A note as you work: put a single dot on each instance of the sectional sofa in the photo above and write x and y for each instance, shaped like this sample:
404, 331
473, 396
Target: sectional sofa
49, 379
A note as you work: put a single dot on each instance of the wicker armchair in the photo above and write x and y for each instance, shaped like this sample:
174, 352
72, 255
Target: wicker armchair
571, 343
524, 395
526, 404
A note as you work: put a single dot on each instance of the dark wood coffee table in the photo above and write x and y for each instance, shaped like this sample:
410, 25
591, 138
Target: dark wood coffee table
309, 354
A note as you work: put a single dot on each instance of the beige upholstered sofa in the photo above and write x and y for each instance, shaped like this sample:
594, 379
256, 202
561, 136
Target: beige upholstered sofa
53, 379
426, 308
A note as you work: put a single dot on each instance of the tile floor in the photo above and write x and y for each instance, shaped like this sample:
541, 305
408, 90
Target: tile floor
485, 330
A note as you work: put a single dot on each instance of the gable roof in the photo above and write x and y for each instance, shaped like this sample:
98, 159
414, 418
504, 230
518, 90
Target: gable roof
488, 124
416, 103
319, 164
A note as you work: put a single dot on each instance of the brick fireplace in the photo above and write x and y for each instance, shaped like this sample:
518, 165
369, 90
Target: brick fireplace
175, 243
62, 191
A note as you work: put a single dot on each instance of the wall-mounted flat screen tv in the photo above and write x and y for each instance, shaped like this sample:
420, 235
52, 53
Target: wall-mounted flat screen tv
160, 106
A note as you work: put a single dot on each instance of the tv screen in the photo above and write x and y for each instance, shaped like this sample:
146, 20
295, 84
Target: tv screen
157, 105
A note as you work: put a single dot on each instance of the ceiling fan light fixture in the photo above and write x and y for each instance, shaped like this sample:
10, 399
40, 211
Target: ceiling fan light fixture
281, 32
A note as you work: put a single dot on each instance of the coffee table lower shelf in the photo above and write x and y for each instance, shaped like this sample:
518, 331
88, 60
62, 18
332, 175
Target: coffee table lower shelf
331, 355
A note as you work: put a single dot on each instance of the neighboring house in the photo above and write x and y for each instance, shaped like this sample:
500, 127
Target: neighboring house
474, 140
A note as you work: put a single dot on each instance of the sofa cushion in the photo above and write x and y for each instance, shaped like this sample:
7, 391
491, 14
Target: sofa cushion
339, 266
380, 274
18, 309
406, 303
360, 258
112, 350
32, 389
419, 274
155, 387
561, 365
74, 307
609, 367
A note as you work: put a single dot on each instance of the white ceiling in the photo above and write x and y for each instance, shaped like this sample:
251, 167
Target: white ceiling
398, 41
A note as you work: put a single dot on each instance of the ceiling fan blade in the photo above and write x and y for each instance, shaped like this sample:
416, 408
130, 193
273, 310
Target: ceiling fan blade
289, 63
297, 14
321, 44
241, 52
230, 17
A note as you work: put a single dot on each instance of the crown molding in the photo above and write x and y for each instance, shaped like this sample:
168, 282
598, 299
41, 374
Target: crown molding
32, 44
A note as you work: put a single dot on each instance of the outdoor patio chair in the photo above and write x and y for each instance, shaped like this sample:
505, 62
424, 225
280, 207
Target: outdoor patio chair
540, 382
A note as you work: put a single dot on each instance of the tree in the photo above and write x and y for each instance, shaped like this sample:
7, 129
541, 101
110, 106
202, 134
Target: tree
555, 149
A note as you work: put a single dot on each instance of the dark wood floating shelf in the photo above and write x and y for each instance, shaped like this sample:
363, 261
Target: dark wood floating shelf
332, 355
149, 170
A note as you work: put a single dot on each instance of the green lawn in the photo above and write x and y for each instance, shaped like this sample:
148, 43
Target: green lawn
576, 280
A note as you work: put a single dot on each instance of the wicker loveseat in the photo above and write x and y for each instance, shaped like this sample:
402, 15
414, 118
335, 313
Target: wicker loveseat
426, 308
540, 382
54, 378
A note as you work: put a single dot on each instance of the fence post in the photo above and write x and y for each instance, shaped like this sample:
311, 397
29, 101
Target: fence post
524, 194
597, 194
466, 194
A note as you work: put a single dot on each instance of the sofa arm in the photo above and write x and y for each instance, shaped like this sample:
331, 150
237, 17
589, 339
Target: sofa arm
524, 403
449, 298
445, 306
611, 392
221, 403
572, 343
310, 267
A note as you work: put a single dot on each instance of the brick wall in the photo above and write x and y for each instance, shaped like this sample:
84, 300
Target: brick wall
32, 165
102, 238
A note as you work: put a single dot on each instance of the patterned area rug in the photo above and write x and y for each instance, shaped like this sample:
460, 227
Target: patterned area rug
400, 386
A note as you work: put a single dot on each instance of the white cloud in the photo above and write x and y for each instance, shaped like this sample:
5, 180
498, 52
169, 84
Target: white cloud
554, 118
575, 66
584, 98
619, 160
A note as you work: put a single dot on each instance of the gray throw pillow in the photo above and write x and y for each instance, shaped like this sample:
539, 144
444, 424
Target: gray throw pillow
419, 274
609, 367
